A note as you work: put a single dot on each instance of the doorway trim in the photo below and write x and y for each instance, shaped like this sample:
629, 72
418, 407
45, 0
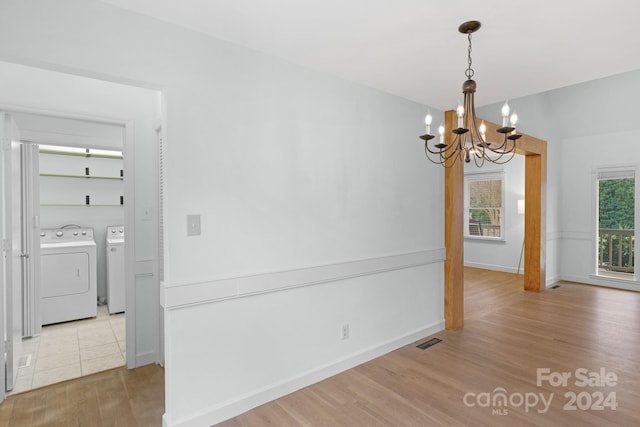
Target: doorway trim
535, 229
129, 210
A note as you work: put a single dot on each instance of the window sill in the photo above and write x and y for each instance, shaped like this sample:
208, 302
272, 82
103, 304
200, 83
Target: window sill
486, 239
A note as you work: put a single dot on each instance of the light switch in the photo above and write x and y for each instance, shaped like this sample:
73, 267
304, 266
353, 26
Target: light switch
193, 225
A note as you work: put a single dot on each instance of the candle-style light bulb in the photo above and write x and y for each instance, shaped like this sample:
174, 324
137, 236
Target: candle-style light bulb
441, 132
505, 113
460, 113
427, 121
514, 120
483, 130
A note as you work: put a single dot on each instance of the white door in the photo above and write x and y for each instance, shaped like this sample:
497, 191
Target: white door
12, 250
31, 312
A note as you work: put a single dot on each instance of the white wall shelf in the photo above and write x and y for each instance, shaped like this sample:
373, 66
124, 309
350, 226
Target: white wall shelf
80, 205
63, 175
66, 153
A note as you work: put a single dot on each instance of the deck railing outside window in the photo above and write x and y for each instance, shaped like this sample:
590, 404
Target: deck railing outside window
616, 250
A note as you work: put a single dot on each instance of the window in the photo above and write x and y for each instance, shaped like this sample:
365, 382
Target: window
484, 199
616, 223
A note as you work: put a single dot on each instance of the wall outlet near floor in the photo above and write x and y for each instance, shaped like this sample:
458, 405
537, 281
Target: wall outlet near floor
344, 332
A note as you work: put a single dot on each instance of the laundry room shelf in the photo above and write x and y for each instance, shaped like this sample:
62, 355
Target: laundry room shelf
79, 205
61, 175
81, 154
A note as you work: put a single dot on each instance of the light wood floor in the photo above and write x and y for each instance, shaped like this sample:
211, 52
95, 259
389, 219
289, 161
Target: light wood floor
508, 334
119, 397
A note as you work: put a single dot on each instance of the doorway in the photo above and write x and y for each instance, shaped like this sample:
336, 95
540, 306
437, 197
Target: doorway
616, 209
535, 152
77, 325
63, 96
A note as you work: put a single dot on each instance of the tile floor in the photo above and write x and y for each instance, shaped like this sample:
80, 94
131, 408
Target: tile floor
73, 349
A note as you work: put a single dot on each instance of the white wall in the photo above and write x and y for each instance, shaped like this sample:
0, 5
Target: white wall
292, 171
537, 117
600, 129
587, 125
503, 255
34, 89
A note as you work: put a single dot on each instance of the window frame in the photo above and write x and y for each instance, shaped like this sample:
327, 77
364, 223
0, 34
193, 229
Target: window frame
613, 172
485, 176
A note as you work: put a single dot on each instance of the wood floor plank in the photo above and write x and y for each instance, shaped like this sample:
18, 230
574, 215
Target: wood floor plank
119, 397
508, 335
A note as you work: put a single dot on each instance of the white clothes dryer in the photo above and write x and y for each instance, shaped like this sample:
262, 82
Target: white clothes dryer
115, 268
68, 274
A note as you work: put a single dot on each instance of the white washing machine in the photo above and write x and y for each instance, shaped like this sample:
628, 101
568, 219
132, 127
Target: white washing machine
115, 268
68, 274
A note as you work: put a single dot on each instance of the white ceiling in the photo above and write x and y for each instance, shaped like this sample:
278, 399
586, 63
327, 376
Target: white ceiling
412, 48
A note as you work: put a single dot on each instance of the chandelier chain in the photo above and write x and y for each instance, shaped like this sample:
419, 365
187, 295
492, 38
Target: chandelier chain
469, 73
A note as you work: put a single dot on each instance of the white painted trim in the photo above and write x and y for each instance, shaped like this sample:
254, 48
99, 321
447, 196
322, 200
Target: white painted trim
130, 244
129, 209
492, 267
223, 411
627, 285
554, 235
117, 121
51, 138
146, 358
493, 175
189, 294
577, 235
552, 280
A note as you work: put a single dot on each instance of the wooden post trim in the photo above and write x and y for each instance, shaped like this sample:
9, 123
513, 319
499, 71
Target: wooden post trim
535, 152
453, 234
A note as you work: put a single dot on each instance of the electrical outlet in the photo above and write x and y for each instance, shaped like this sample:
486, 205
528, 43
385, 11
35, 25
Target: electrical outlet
344, 334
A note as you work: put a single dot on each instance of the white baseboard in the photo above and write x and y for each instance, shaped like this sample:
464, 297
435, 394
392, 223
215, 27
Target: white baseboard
218, 413
146, 358
493, 267
627, 285
552, 280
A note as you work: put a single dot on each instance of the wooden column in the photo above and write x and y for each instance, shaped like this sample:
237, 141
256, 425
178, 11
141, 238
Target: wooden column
535, 224
535, 151
453, 234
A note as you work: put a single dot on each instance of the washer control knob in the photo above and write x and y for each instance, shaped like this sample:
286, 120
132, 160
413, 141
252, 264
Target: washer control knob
59, 233
122, 230
84, 233
75, 233
42, 234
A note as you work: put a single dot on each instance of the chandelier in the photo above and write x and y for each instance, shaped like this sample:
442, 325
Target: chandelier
469, 140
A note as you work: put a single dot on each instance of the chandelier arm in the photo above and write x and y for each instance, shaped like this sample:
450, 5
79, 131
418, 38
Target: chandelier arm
450, 155
438, 152
453, 151
479, 161
443, 161
502, 149
497, 162
441, 151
